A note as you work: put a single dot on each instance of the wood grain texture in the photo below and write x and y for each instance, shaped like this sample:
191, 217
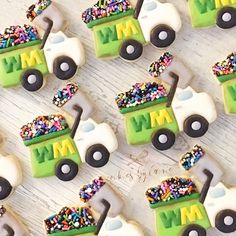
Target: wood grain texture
131, 169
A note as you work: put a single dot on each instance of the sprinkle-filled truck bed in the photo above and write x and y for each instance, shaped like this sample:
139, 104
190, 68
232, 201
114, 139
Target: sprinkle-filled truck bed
177, 208
19, 50
225, 72
49, 141
71, 222
145, 111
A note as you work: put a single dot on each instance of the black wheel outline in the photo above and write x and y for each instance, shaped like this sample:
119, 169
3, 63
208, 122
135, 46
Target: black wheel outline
97, 148
195, 133
6, 188
226, 25
138, 50
64, 75
163, 146
35, 86
219, 221
157, 42
194, 227
74, 168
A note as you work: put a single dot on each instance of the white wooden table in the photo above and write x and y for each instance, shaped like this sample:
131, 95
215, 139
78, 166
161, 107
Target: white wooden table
131, 169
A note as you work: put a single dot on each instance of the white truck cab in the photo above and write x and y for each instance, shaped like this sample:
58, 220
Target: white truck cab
157, 28
10, 175
187, 102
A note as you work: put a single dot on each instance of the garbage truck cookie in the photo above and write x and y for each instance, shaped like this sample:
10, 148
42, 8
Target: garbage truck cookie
153, 114
120, 30
206, 13
10, 175
10, 225
219, 201
23, 61
225, 73
104, 200
58, 150
177, 208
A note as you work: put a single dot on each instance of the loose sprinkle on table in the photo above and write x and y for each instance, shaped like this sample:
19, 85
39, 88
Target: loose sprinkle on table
225, 67
15, 35
64, 95
171, 189
89, 190
43, 125
2, 211
140, 94
105, 8
158, 67
69, 219
191, 158
37, 9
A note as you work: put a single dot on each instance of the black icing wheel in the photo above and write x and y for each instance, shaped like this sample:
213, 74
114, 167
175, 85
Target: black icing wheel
5, 188
32, 80
226, 18
196, 229
163, 139
226, 221
162, 36
64, 67
196, 126
66, 170
131, 50
97, 156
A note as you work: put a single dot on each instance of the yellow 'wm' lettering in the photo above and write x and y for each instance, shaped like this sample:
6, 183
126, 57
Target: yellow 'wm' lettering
191, 216
63, 148
126, 29
159, 119
30, 60
221, 3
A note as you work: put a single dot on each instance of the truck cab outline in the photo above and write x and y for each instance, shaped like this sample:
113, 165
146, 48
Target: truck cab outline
206, 13
124, 35
28, 64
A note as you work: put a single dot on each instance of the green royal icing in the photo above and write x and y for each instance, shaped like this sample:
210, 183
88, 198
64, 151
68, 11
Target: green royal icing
229, 91
142, 124
86, 231
11, 63
45, 155
170, 217
108, 40
204, 12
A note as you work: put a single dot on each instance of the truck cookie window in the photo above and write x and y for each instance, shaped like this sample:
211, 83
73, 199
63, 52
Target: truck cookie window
206, 13
120, 30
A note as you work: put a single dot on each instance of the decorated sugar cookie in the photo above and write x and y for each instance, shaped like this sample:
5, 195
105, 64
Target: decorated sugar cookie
58, 150
10, 225
153, 114
104, 200
10, 175
120, 30
26, 58
69, 96
205, 13
225, 72
218, 200
177, 208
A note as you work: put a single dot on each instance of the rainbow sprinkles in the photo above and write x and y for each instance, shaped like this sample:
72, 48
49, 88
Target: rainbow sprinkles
105, 8
43, 125
77, 220
140, 94
170, 189
226, 69
37, 9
